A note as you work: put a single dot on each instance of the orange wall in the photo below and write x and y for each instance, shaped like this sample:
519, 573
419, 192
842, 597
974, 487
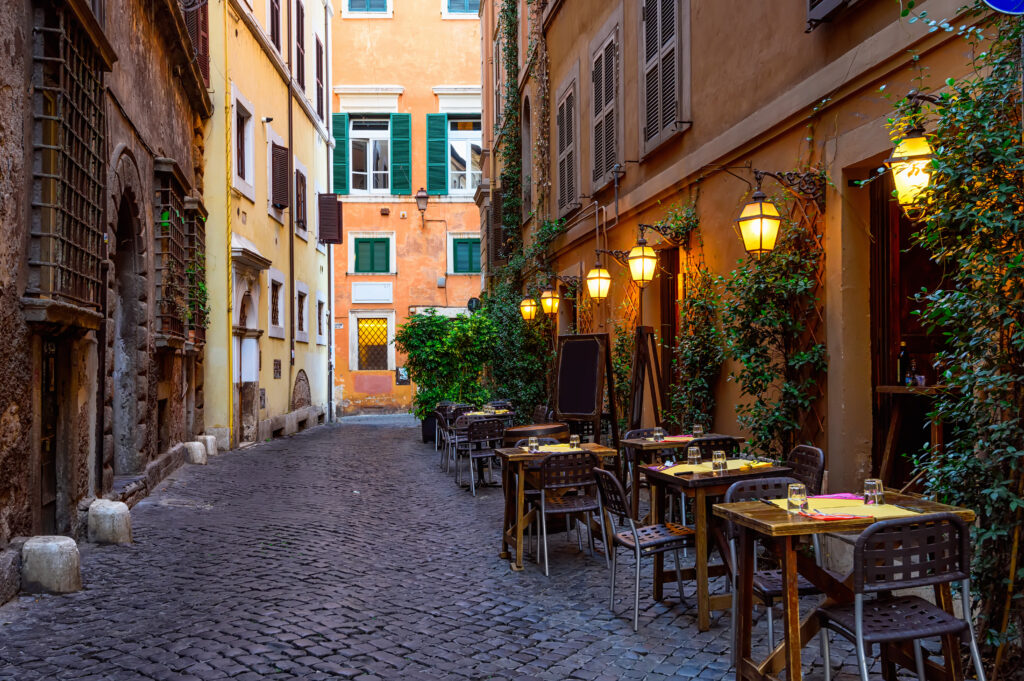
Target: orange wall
418, 50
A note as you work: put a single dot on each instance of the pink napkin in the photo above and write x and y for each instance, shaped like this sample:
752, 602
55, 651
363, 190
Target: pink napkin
840, 495
832, 516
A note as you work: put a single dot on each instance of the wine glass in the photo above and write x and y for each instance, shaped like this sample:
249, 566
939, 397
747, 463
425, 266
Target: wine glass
532, 444
718, 461
796, 499
698, 430
659, 435
873, 492
693, 456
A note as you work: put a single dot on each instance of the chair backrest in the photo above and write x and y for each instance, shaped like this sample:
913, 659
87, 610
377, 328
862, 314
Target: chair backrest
612, 495
711, 443
540, 441
457, 410
484, 430
751, 490
638, 433
904, 553
501, 404
540, 414
808, 464
569, 469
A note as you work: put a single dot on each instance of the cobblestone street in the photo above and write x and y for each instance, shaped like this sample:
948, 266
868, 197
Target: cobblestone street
343, 552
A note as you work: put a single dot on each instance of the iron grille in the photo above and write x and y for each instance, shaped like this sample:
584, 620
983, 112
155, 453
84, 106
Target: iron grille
67, 162
169, 238
373, 344
195, 271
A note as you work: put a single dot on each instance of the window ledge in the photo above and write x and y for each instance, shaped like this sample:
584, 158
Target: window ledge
275, 332
372, 274
345, 14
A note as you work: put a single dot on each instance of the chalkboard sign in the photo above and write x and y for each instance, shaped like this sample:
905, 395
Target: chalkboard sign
581, 361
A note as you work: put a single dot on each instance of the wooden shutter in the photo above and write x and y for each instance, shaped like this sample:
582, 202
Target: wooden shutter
604, 74
381, 255
401, 153
662, 74
279, 175
300, 201
329, 215
437, 154
300, 44
197, 21
566, 123
339, 128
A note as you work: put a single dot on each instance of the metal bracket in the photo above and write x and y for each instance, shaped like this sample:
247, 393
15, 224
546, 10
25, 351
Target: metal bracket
808, 185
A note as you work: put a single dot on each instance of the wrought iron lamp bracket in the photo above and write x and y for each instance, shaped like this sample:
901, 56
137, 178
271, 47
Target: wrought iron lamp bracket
621, 257
809, 185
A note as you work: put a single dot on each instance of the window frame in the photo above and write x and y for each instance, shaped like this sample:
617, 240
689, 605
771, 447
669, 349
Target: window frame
468, 137
245, 183
610, 34
300, 45
454, 240
353, 336
386, 265
369, 136
350, 250
274, 26
275, 276
323, 323
347, 13
320, 78
448, 13
300, 304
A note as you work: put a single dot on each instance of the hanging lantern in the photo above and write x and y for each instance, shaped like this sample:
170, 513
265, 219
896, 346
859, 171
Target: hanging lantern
759, 224
528, 308
549, 301
642, 261
598, 282
911, 166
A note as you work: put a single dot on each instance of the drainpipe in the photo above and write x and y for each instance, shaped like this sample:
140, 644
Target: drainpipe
291, 211
228, 266
328, 40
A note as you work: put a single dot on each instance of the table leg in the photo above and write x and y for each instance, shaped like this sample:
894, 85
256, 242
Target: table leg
520, 503
701, 525
791, 615
950, 644
745, 608
633, 458
657, 497
508, 489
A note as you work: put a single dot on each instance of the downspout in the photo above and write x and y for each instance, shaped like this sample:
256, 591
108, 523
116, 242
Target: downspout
228, 159
291, 212
328, 41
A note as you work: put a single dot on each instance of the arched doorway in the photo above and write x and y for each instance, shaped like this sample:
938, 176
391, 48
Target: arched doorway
248, 375
129, 329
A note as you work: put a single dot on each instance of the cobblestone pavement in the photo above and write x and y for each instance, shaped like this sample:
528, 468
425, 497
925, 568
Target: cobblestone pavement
343, 552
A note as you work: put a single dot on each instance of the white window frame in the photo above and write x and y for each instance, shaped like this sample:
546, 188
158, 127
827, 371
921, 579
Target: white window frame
346, 13
451, 237
468, 136
273, 138
321, 338
370, 136
299, 167
392, 253
276, 276
446, 14
280, 28
353, 337
244, 187
301, 312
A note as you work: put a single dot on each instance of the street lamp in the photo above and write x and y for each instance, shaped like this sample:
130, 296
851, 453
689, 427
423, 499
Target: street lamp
911, 163
642, 262
598, 282
528, 308
421, 203
758, 224
549, 301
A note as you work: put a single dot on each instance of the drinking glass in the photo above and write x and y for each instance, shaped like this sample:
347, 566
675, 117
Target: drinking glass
659, 435
873, 491
693, 456
796, 499
532, 444
698, 430
574, 442
718, 461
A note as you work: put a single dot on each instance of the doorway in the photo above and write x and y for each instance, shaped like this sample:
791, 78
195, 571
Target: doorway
128, 284
49, 425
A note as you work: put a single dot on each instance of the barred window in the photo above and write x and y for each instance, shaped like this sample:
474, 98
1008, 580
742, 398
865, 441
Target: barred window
373, 344
169, 238
195, 269
275, 303
68, 163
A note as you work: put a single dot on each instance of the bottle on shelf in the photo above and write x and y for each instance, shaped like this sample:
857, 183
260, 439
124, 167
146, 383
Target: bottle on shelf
902, 363
911, 376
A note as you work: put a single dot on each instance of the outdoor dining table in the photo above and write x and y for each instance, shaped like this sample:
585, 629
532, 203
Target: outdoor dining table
780, 529
701, 484
514, 461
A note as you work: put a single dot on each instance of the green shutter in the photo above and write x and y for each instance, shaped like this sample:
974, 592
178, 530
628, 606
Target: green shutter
373, 256
437, 154
339, 128
466, 253
461, 256
364, 255
401, 153
474, 255
380, 255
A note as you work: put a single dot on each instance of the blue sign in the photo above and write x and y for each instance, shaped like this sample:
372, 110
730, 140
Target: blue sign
1007, 6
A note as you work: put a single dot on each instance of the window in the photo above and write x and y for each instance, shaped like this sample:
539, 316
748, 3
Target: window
367, 5
300, 44
370, 154
241, 125
300, 201
275, 23
565, 122
605, 82
319, 318
275, 303
373, 343
197, 21
320, 79
499, 85
466, 256
373, 256
279, 157
464, 6
169, 248
243, 155
300, 311
664, 72
464, 152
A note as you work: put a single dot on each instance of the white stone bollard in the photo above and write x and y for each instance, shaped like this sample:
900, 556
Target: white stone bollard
110, 522
50, 564
196, 452
211, 444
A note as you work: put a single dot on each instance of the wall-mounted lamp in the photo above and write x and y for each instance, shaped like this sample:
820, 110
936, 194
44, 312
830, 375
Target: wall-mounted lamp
421, 203
911, 160
528, 308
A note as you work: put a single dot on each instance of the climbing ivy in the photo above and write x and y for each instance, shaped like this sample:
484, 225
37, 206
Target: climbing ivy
698, 353
510, 150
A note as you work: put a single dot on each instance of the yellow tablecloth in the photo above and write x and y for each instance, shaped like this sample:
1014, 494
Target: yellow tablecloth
499, 412
730, 465
851, 507
551, 449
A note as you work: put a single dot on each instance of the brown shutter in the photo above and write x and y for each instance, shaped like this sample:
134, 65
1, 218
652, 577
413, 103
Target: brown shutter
300, 199
329, 213
279, 175
204, 42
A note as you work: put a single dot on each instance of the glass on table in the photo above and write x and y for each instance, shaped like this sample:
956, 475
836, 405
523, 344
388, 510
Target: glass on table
574, 442
698, 430
796, 499
874, 493
532, 445
659, 435
693, 456
718, 461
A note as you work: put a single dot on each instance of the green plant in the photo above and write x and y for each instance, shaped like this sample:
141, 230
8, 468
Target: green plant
681, 221
768, 302
698, 353
510, 143
622, 370
973, 225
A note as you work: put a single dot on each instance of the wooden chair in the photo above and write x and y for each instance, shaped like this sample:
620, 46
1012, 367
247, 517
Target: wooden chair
905, 553
645, 540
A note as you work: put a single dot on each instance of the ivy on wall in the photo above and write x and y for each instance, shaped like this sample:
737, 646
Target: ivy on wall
510, 147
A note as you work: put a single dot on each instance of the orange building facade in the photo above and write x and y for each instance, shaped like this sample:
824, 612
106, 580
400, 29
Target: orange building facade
406, 103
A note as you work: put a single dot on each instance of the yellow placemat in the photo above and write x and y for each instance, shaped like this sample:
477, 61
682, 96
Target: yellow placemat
730, 465
551, 449
850, 507
484, 413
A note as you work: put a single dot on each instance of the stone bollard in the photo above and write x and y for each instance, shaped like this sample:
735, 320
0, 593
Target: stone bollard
196, 452
211, 444
110, 522
50, 564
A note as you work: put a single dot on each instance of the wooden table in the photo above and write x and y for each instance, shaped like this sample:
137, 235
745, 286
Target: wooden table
557, 430
643, 449
513, 477
779, 528
702, 487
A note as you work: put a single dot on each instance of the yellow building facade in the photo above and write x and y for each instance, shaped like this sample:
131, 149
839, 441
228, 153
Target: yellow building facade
268, 151
406, 93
